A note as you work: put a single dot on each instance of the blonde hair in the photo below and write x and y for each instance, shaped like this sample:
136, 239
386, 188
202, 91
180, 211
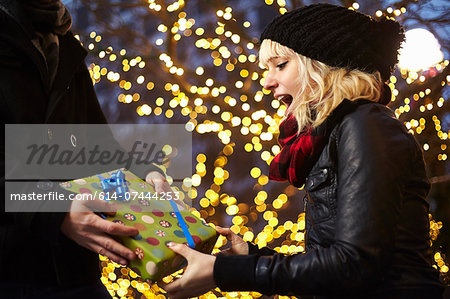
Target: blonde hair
321, 87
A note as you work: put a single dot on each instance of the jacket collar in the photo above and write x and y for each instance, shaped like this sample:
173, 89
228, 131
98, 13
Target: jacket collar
20, 33
13, 10
71, 53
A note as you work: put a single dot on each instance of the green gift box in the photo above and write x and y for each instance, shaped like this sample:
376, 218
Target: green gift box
154, 217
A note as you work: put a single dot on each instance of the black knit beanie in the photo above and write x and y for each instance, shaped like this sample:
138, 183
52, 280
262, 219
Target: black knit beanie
339, 37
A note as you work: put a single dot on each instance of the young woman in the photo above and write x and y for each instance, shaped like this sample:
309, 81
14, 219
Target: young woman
367, 229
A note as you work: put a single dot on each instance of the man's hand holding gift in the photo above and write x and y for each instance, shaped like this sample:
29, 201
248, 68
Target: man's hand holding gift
88, 229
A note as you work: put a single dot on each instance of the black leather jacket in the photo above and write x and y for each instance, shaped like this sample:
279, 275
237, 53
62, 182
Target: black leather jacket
367, 228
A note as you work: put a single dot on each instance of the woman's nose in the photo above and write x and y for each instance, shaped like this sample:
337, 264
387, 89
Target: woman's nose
270, 82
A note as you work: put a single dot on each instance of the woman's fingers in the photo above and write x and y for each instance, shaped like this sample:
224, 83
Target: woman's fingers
164, 187
159, 182
182, 249
225, 252
238, 245
154, 178
185, 252
225, 232
198, 276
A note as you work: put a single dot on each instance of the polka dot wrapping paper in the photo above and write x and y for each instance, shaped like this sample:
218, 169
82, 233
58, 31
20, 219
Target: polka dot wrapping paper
156, 221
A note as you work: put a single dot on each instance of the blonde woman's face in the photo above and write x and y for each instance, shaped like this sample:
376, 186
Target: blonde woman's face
282, 78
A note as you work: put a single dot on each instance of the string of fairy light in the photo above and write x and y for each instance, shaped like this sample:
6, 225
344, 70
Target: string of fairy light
231, 112
417, 126
410, 77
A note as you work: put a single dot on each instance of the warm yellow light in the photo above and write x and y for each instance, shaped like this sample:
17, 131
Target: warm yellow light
162, 28
242, 58
140, 79
275, 104
216, 42
158, 111
146, 109
226, 116
215, 109
276, 149
273, 222
190, 126
265, 155
199, 31
128, 98
255, 172
420, 51
243, 73
232, 210
204, 202
127, 85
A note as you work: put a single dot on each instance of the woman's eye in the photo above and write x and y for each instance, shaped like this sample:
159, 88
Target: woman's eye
282, 65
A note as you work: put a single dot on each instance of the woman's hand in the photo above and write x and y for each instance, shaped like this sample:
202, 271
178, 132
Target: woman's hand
197, 278
238, 245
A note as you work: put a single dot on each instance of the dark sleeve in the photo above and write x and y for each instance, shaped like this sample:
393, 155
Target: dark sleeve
42, 218
46, 225
253, 249
372, 156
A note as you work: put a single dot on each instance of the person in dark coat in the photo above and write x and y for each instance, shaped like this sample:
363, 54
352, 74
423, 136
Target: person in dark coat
44, 80
367, 226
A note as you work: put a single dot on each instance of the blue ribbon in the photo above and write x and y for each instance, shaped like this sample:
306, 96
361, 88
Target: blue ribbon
116, 183
183, 225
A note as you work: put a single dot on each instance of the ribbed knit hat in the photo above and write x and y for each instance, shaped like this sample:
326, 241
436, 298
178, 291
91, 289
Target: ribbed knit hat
339, 37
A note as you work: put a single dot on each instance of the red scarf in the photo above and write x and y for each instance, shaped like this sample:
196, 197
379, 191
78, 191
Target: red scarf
300, 152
